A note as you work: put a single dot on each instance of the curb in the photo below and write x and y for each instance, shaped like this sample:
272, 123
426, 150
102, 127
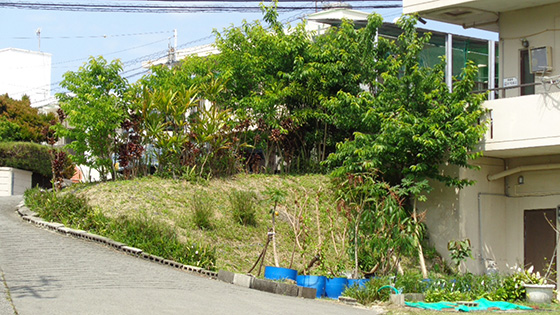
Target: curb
265, 285
31, 217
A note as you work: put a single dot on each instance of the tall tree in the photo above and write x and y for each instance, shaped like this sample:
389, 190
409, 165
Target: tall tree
95, 106
408, 123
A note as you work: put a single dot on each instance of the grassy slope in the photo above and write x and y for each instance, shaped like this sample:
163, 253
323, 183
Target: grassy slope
238, 247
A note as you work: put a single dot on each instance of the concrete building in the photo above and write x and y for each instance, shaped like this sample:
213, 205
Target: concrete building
511, 214
25, 72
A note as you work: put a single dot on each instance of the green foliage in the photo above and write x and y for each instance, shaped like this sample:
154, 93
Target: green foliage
203, 211
145, 233
20, 122
244, 207
161, 240
381, 227
406, 126
30, 157
95, 108
68, 209
468, 287
371, 292
459, 251
409, 122
9, 131
189, 137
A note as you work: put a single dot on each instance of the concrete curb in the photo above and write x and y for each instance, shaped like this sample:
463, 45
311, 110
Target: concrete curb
31, 217
265, 285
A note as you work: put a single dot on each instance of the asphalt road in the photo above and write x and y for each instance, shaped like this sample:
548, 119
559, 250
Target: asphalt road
47, 273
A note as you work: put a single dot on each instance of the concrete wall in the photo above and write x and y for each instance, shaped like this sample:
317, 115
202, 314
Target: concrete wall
453, 214
537, 25
25, 72
490, 213
14, 181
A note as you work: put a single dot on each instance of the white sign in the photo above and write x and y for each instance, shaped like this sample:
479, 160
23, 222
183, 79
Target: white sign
509, 82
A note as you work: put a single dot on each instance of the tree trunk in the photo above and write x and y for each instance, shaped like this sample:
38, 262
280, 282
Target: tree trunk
274, 237
417, 238
356, 230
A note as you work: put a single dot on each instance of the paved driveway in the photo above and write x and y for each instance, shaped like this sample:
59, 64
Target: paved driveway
48, 273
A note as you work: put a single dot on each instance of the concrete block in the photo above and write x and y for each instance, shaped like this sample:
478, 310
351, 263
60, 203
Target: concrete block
132, 250
348, 300
414, 297
287, 289
243, 280
192, 269
307, 293
397, 299
53, 225
64, 230
264, 285
225, 276
115, 244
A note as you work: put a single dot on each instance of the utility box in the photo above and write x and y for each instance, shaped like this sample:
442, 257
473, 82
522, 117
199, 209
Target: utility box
14, 181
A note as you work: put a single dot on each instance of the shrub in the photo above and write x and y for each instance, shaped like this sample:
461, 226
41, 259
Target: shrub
243, 207
68, 209
202, 211
371, 292
30, 157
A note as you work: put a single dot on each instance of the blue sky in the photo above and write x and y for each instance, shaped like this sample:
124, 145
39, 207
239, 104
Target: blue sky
72, 37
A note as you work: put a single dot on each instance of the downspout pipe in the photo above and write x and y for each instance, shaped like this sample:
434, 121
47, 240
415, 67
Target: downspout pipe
524, 168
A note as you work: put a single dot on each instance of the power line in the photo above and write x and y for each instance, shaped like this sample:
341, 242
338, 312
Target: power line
133, 8
94, 36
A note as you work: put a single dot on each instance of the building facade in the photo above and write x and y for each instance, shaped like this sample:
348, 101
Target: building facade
511, 214
25, 72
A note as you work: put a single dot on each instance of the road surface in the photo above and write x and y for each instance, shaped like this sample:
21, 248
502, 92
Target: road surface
47, 273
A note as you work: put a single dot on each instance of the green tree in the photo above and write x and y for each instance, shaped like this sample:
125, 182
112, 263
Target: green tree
20, 122
409, 124
95, 106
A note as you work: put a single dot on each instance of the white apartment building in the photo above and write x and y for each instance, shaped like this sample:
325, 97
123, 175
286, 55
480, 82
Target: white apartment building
25, 72
511, 213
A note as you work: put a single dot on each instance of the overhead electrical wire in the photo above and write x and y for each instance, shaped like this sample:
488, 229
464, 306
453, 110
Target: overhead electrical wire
94, 36
131, 7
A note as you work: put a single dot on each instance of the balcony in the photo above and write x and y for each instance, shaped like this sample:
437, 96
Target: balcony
483, 14
523, 126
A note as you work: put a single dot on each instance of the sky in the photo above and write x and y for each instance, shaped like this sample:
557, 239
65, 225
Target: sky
72, 37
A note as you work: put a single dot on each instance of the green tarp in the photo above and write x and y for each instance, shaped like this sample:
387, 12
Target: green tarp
483, 304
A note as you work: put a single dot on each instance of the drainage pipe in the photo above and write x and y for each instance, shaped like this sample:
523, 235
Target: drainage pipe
524, 168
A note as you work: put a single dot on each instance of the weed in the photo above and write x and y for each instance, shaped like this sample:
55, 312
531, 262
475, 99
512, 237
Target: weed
243, 207
203, 211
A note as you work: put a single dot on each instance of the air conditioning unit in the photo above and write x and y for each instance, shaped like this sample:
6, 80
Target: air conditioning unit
540, 59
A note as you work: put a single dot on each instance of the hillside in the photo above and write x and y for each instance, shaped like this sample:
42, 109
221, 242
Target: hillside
309, 210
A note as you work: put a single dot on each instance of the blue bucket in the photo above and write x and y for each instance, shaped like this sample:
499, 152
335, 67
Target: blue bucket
316, 282
279, 273
361, 283
334, 287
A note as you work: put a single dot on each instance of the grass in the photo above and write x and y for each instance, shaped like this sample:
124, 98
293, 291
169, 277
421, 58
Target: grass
202, 213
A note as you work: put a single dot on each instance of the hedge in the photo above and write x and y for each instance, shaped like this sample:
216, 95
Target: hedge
27, 156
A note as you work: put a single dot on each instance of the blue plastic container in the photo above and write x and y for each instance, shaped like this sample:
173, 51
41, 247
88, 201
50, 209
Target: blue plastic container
357, 282
279, 273
334, 287
316, 282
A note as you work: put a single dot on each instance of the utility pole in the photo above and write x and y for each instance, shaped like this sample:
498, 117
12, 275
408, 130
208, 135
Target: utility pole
172, 53
175, 45
38, 32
